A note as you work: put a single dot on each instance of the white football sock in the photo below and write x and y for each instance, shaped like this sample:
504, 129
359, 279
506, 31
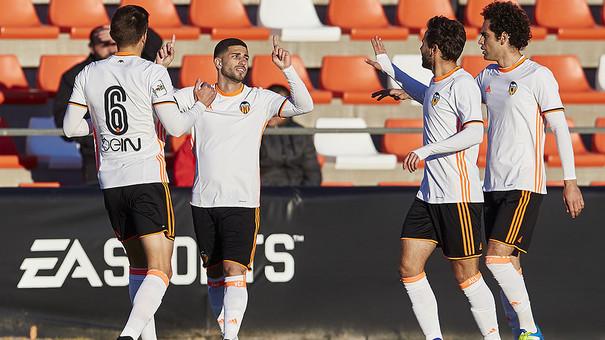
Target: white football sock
483, 306
513, 286
424, 304
137, 275
235, 302
146, 302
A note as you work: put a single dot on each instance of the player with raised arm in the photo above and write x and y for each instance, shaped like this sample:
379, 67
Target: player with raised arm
447, 210
131, 101
521, 96
226, 192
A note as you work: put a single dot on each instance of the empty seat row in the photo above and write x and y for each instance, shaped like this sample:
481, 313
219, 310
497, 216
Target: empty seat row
345, 77
295, 20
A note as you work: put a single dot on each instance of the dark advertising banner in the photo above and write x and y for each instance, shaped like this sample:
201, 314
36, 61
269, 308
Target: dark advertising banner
327, 259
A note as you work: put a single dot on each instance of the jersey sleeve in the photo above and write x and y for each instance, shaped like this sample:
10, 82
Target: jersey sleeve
77, 97
161, 87
467, 101
546, 91
275, 103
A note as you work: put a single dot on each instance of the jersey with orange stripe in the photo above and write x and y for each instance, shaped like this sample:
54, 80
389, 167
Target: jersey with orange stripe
120, 93
227, 142
450, 102
517, 99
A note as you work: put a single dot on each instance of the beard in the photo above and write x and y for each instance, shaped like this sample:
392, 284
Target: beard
427, 62
233, 75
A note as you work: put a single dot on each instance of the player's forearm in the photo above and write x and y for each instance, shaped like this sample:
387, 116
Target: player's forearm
470, 135
175, 122
412, 86
300, 101
184, 98
559, 127
74, 124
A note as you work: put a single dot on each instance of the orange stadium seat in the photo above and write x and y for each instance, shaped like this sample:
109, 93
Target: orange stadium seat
14, 85
598, 139
77, 17
9, 156
399, 184
164, 19
400, 144
197, 66
350, 78
414, 15
573, 85
473, 17
40, 185
224, 19
336, 184
474, 64
363, 19
570, 19
18, 20
583, 157
51, 70
264, 74
597, 184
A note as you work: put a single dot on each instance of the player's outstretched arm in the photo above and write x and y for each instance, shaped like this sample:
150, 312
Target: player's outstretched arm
300, 101
177, 123
382, 63
572, 196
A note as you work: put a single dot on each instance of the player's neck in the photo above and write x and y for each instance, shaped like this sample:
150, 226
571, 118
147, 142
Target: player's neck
509, 59
442, 68
226, 85
130, 50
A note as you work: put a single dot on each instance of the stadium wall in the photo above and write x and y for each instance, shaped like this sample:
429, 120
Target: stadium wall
326, 261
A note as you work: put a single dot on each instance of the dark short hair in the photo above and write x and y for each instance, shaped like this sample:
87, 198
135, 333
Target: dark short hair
224, 45
129, 24
448, 35
277, 88
510, 18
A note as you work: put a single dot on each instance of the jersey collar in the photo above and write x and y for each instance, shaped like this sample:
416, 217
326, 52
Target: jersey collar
124, 54
440, 78
229, 94
513, 66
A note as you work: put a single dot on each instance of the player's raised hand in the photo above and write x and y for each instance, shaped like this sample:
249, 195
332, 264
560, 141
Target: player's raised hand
572, 198
166, 53
204, 93
410, 162
396, 94
281, 57
374, 64
378, 46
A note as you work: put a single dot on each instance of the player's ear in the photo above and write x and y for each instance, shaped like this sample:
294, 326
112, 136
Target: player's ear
144, 38
504, 38
218, 63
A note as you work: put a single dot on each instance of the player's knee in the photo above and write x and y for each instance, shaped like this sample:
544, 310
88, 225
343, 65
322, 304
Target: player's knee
408, 269
499, 249
233, 269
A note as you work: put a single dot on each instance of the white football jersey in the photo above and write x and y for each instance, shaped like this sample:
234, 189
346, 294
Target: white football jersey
120, 93
227, 143
450, 102
517, 99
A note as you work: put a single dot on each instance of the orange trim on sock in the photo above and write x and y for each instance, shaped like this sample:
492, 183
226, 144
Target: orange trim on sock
216, 284
413, 278
238, 283
470, 281
138, 271
497, 259
159, 274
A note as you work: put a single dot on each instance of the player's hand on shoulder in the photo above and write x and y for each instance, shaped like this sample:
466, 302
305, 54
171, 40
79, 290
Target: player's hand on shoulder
281, 57
410, 162
165, 54
572, 197
396, 94
204, 93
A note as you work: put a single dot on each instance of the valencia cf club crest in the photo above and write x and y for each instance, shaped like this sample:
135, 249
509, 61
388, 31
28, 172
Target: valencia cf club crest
512, 88
244, 107
435, 99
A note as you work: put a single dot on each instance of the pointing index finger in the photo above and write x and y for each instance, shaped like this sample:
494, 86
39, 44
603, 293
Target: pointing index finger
275, 41
173, 40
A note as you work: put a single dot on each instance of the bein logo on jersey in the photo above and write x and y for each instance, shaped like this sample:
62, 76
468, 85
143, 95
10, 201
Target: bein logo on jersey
244, 107
512, 88
435, 99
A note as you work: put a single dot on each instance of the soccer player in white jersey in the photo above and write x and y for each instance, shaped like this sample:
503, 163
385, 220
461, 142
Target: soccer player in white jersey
520, 96
226, 192
447, 210
131, 101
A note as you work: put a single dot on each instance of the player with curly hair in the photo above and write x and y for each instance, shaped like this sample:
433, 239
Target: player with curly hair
521, 96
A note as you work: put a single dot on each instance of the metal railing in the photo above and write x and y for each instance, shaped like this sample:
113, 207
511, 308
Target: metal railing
286, 131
